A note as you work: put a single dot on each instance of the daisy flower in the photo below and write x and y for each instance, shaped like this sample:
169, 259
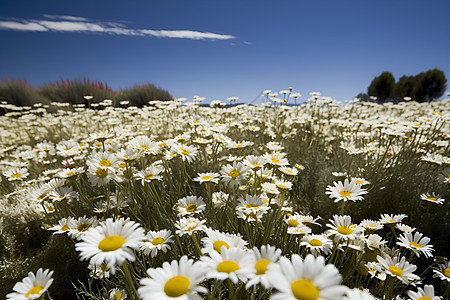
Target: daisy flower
252, 204
70, 173
111, 242
288, 171
341, 228
189, 225
145, 146
187, 153
348, 190
62, 226
426, 293
216, 239
404, 227
374, 241
269, 188
253, 161
234, 264
103, 160
16, 173
432, 198
100, 176
442, 271
150, 173
207, 177
190, 205
356, 293
117, 294
392, 219
398, 268
276, 159
32, 286
371, 225
264, 257
360, 181
178, 279
78, 227
417, 243
305, 279
157, 241
63, 193
283, 184
317, 243
234, 174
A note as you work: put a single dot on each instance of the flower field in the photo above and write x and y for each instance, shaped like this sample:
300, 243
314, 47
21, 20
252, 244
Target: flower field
179, 201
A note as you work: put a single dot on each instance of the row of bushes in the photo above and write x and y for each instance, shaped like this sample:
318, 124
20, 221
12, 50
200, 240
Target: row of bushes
73, 91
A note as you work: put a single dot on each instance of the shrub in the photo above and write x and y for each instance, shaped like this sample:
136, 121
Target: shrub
20, 93
140, 95
73, 91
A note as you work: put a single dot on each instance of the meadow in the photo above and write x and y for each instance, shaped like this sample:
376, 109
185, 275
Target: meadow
174, 200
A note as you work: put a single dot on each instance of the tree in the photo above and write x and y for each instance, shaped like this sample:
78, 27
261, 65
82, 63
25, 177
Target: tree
382, 87
404, 87
429, 86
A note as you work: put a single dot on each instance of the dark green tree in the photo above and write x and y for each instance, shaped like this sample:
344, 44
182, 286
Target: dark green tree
404, 87
429, 85
382, 87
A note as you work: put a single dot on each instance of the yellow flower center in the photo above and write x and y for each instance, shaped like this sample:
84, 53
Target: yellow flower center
344, 230
396, 270
148, 177
415, 245
206, 178
218, 245
118, 295
371, 225
105, 163
144, 147
227, 266
191, 207
233, 174
184, 152
358, 182
64, 228
34, 291
424, 298
275, 161
293, 223
446, 272
158, 241
303, 289
102, 173
255, 164
17, 175
315, 242
123, 165
111, 243
431, 199
345, 194
69, 173
250, 205
83, 227
177, 286
261, 266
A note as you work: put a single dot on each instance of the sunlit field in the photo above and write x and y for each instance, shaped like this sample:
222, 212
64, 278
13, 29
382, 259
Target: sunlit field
174, 200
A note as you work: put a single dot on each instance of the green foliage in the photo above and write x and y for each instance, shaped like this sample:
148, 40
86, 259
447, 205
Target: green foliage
73, 91
140, 95
429, 86
424, 87
382, 86
20, 93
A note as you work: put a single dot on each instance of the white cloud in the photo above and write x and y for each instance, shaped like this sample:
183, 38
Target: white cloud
80, 24
30, 26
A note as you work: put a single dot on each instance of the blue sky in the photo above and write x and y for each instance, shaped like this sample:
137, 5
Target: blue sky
218, 49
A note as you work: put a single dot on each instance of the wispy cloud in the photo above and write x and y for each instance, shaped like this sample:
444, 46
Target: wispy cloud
79, 24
